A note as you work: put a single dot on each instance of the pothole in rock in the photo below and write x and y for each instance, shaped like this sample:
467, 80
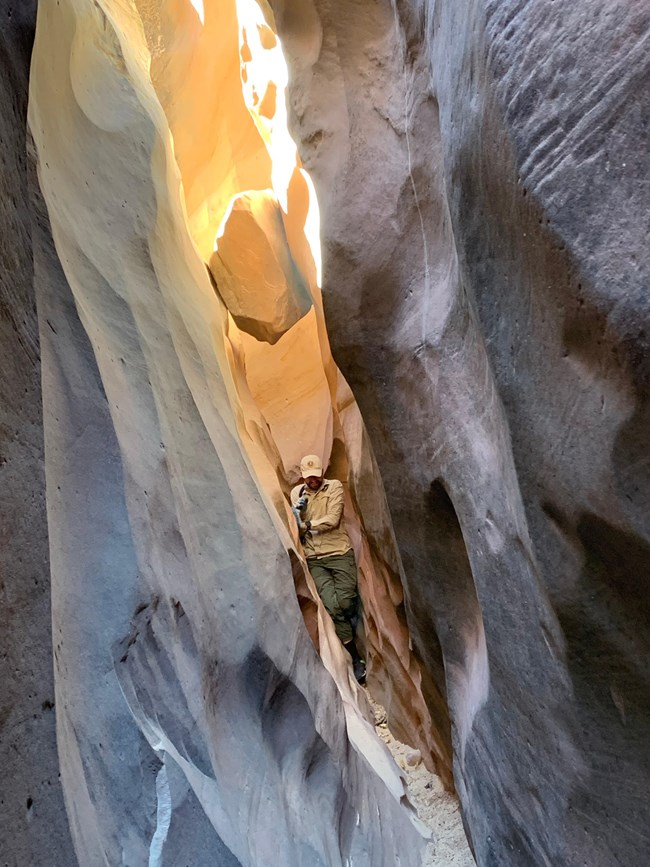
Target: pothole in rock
438, 809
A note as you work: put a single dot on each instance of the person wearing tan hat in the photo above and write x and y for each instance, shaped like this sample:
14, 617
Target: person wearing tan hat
318, 505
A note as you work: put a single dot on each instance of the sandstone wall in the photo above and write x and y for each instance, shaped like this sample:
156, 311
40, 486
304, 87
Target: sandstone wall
195, 719
482, 169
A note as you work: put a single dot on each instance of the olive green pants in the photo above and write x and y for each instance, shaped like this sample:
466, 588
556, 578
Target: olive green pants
335, 577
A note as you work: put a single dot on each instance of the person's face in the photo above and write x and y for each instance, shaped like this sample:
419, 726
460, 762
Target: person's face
313, 482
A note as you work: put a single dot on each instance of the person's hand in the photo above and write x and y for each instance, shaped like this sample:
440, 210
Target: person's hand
303, 526
301, 504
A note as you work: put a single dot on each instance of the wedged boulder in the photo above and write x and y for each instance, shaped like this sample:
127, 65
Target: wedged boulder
255, 274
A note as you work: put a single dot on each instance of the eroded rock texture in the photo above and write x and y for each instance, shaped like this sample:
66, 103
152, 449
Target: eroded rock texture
32, 813
482, 172
480, 168
196, 721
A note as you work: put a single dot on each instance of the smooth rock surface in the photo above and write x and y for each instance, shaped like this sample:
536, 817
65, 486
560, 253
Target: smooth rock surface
187, 679
255, 273
482, 173
33, 823
481, 168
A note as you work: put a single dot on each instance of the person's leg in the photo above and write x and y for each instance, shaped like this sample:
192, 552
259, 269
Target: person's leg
323, 577
358, 664
343, 568
344, 571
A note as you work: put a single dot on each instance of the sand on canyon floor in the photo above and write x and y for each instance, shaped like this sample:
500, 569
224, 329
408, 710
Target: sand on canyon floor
438, 809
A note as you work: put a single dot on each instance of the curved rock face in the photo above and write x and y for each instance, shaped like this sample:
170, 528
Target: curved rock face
482, 169
196, 721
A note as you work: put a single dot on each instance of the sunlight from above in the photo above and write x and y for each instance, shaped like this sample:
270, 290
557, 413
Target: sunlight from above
264, 78
198, 5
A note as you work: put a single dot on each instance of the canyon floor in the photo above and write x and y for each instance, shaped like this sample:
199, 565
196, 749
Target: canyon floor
438, 809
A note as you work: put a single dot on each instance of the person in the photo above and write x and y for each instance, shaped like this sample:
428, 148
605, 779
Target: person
317, 503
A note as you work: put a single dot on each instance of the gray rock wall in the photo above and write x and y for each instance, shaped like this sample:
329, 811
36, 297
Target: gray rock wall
551, 220
33, 823
482, 172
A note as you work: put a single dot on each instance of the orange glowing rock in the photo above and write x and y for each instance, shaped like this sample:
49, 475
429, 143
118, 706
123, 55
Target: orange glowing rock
256, 276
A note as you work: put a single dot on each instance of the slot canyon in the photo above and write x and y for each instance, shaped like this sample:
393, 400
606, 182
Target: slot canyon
409, 237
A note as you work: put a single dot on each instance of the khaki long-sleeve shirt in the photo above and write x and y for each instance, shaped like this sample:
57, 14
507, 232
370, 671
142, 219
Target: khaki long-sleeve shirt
325, 512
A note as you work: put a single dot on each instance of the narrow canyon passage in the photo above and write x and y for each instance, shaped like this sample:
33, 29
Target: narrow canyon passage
409, 237
262, 248
209, 127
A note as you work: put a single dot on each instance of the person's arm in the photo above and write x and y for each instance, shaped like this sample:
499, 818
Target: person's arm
334, 510
295, 498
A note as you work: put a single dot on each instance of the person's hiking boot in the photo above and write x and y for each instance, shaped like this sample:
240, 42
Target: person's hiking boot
359, 669
358, 665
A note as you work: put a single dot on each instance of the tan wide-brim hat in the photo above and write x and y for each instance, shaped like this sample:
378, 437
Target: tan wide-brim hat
311, 465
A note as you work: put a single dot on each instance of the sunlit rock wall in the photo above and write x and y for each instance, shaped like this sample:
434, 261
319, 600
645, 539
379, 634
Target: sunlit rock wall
253, 216
482, 173
205, 711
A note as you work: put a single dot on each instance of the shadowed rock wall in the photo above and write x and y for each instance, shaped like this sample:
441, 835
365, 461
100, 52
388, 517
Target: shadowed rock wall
482, 173
33, 823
